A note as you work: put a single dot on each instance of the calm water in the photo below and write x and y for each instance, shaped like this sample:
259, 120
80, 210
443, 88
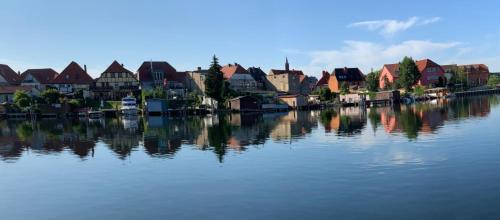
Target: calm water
429, 161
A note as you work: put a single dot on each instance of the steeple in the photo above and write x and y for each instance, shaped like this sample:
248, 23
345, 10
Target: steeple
287, 65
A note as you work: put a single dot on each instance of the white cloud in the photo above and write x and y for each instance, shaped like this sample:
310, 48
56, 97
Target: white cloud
389, 28
367, 55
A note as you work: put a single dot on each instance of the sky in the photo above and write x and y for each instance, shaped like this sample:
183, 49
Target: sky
314, 35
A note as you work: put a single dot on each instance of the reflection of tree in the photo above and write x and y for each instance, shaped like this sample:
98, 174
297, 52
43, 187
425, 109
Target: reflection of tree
326, 118
410, 123
374, 118
218, 134
24, 131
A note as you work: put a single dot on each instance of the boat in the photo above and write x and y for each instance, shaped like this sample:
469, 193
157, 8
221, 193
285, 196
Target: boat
129, 106
95, 114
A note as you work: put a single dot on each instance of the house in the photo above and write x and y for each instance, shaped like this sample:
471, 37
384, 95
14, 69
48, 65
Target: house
7, 92
239, 78
115, 83
195, 80
245, 103
153, 74
72, 79
294, 101
323, 81
353, 77
431, 73
286, 81
259, 76
38, 78
476, 74
8, 76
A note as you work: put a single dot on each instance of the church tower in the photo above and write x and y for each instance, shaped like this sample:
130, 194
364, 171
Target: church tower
287, 65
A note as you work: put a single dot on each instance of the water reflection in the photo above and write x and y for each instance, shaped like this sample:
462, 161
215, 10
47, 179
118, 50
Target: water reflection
164, 137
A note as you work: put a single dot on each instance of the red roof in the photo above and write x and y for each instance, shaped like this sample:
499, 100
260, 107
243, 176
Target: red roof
43, 76
324, 79
116, 67
9, 75
423, 64
73, 74
13, 89
230, 69
144, 71
393, 69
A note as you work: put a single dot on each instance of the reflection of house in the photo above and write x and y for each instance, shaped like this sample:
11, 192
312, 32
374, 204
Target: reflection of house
432, 74
73, 78
239, 78
244, 103
8, 76
352, 77
38, 78
287, 81
294, 101
115, 83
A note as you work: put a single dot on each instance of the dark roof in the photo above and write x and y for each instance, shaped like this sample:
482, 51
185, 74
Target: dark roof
231, 69
324, 79
144, 71
257, 73
348, 74
73, 74
13, 89
293, 72
43, 76
9, 75
116, 67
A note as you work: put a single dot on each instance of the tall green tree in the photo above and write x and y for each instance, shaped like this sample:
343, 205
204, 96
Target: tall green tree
408, 73
344, 88
21, 99
50, 96
372, 81
214, 83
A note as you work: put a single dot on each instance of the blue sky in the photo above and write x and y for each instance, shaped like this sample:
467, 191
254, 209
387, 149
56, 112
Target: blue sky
314, 35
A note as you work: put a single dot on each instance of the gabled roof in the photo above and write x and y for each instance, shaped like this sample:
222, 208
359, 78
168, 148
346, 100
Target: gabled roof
144, 71
73, 74
348, 74
43, 76
324, 79
393, 69
293, 72
231, 69
116, 67
257, 73
423, 64
9, 75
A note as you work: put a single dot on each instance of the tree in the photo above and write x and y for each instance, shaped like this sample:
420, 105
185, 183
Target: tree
408, 73
214, 83
50, 96
372, 81
344, 88
494, 80
325, 94
21, 99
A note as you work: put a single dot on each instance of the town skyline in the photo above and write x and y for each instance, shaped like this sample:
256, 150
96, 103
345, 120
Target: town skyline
327, 35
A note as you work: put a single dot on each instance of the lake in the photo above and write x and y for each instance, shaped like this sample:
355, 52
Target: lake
426, 161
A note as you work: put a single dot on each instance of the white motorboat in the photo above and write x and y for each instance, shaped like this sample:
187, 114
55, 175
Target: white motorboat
129, 106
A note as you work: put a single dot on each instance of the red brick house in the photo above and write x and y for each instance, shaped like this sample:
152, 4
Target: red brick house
323, 81
73, 78
353, 77
476, 74
8, 76
152, 74
431, 74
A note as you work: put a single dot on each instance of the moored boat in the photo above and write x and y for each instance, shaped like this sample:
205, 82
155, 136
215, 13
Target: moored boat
129, 106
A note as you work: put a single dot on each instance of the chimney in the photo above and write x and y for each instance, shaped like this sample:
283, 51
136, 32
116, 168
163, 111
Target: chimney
85, 68
199, 69
122, 64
